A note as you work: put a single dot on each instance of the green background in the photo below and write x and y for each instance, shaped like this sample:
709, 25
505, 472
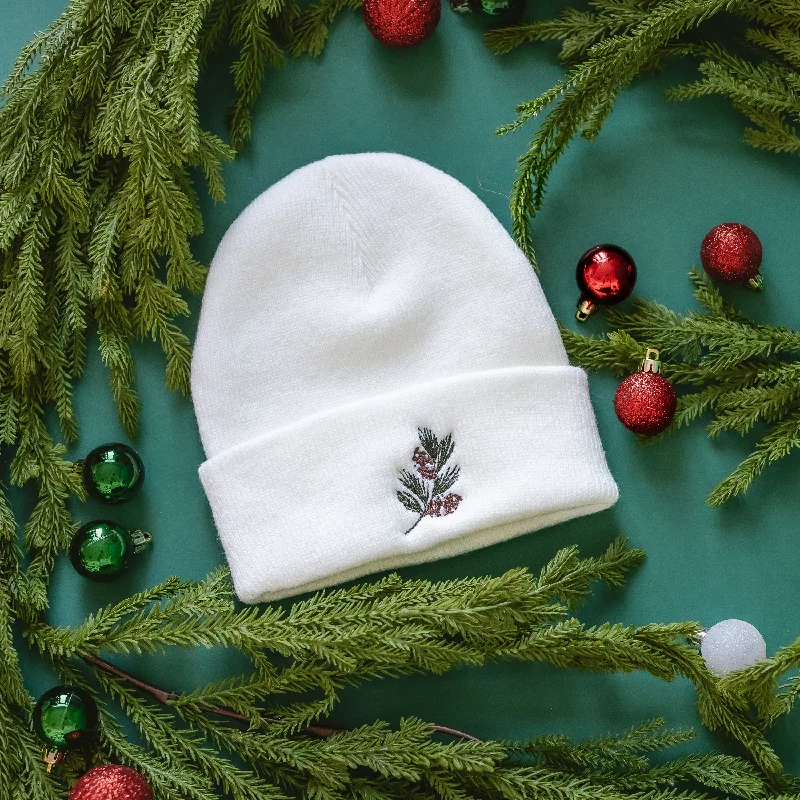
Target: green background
660, 175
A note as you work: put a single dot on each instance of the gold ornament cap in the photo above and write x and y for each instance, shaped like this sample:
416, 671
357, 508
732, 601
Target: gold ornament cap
52, 758
651, 362
585, 308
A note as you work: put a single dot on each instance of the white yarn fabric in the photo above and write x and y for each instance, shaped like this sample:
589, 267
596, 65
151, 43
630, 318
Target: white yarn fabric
355, 307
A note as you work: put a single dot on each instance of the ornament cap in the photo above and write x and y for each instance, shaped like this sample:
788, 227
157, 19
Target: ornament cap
141, 540
651, 362
756, 282
585, 308
51, 758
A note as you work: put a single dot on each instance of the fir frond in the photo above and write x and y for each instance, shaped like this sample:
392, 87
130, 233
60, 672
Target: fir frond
743, 372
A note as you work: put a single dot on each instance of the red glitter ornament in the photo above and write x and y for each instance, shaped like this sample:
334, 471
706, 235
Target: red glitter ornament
606, 275
402, 23
645, 402
731, 253
111, 782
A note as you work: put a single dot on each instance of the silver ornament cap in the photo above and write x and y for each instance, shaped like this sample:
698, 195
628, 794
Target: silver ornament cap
730, 645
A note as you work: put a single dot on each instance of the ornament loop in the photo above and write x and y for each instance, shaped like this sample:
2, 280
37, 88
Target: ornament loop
140, 539
51, 758
651, 362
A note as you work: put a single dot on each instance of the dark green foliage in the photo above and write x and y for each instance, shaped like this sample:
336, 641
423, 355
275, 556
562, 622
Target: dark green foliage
619, 40
99, 134
302, 658
311, 29
746, 373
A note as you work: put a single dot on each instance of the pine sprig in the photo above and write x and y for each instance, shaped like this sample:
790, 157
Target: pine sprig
619, 40
310, 652
311, 27
745, 373
99, 140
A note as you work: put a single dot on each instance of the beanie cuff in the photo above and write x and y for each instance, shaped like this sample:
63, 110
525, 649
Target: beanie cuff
410, 476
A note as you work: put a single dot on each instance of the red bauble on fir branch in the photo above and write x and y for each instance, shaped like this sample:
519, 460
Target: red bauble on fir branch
731, 253
111, 782
645, 402
402, 23
606, 275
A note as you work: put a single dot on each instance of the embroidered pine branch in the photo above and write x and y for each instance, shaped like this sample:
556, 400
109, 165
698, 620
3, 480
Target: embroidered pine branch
616, 42
426, 490
745, 373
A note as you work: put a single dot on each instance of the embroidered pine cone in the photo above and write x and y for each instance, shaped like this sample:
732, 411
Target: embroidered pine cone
442, 506
424, 464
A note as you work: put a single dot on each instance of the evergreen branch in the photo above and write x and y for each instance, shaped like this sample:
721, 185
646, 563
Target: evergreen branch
251, 31
748, 373
311, 27
776, 444
614, 43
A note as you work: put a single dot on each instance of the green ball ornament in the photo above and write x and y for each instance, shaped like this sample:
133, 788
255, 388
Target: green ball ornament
499, 8
101, 549
65, 718
503, 10
112, 472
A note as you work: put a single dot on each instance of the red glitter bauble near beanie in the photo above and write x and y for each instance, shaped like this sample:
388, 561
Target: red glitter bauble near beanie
111, 782
645, 402
402, 23
731, 253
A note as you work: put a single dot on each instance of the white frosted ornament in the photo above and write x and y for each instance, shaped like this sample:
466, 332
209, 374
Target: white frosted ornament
730, 645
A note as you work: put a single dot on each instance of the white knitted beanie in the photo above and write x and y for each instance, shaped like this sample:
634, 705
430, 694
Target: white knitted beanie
379, 381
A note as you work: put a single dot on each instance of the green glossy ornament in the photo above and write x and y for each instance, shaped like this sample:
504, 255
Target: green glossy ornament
506, 9
112, 472
65, 718
100, 549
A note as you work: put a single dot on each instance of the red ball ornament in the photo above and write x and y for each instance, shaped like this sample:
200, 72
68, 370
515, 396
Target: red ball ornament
606, 275
111, 782
731, 253
402, 23
645, 402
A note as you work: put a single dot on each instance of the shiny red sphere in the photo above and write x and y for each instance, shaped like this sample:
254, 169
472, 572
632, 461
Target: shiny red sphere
645, 403
111, 782
606, 274
731, 253
402, 23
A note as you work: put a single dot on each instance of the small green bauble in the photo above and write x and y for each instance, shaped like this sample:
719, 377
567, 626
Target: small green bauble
113, 472
499, 8
100, 550
65, 717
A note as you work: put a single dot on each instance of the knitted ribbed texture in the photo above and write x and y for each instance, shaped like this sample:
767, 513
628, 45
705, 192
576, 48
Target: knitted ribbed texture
355, 304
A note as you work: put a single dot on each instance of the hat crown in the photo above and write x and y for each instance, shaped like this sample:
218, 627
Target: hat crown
352, 277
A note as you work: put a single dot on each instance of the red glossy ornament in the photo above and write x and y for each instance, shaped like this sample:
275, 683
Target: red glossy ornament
402, 23
645, 402
731, 253
606, 275
111, 782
